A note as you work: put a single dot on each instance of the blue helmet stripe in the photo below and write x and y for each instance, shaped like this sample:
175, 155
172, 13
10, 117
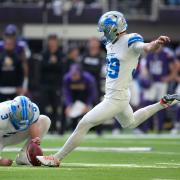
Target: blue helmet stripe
25, 108
135, 39
23, 112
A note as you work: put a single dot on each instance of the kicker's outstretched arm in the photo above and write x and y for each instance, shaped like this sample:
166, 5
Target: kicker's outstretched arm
156, 44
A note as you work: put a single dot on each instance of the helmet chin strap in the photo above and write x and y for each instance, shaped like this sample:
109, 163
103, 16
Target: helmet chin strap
115, 40
118, 36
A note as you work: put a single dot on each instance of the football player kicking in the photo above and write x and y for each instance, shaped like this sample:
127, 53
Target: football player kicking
123, 52
20, 120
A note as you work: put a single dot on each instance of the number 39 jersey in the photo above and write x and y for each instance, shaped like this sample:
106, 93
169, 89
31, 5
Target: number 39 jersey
6, 127
122, 59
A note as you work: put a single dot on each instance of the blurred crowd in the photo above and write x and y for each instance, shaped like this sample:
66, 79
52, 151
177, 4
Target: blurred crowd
172, 2
66, 85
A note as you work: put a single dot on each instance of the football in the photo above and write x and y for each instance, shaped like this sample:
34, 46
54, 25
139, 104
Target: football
5, 162
34, 150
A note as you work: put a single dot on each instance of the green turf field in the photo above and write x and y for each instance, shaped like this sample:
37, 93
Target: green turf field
103, 161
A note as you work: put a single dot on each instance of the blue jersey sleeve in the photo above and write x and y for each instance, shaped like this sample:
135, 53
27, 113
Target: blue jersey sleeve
135, 38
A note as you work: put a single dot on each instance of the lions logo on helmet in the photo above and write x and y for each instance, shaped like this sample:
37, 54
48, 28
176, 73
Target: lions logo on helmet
111, 24
22, 112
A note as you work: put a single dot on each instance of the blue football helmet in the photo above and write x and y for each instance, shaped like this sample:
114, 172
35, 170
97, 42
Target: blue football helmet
22, 112
111, 24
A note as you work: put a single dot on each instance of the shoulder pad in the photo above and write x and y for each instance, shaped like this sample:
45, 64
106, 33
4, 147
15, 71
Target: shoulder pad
134, 37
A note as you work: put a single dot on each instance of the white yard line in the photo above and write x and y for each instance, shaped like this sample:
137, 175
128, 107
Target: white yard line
120, 136
142, 136
92, 149
164, 153
142, 150
175, 164
163, 179
115, 149
117, 165
99, 165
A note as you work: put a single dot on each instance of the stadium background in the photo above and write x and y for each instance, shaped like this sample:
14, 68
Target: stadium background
117, 154
74, 25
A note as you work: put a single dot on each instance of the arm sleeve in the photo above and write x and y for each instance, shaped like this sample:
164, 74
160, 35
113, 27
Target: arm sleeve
138, 47
136, 43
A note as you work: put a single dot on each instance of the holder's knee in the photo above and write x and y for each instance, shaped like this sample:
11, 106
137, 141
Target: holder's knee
44, 124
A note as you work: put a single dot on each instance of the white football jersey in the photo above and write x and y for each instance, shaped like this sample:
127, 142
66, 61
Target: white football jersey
6, 127
122, 59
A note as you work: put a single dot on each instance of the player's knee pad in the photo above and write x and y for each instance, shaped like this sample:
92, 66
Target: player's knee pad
44, 122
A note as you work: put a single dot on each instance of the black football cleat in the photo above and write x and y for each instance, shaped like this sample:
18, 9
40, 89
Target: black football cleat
170, 100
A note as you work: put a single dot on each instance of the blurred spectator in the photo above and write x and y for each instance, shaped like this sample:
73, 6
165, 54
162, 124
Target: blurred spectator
135, 7
79, 93
158, 72
92, 62
172, 2
79, 6
51, 79
21, 48
73, 58
176, 128
14, 66
11, 70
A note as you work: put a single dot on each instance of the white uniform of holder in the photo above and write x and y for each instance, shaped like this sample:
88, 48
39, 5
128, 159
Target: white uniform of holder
9, 133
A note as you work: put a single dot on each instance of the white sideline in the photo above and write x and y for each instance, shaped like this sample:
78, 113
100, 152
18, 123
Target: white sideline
92, 149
